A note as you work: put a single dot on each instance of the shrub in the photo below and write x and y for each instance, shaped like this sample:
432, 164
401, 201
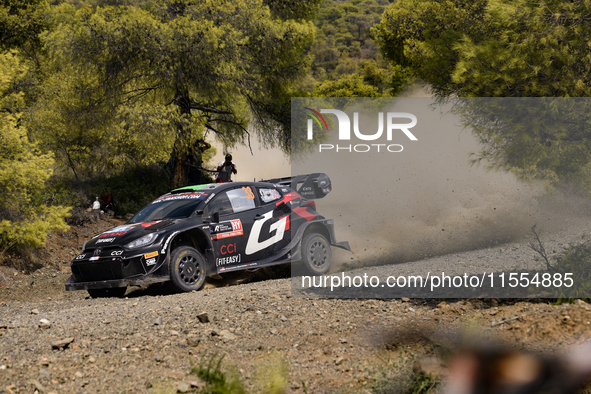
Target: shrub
24, 217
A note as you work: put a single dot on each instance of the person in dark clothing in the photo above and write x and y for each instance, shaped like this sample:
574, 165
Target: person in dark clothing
108, 203
225, 170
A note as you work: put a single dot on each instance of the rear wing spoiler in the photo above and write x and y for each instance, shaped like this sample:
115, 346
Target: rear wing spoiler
309, 186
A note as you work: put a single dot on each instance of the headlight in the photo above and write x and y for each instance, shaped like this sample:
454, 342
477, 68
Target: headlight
145, 240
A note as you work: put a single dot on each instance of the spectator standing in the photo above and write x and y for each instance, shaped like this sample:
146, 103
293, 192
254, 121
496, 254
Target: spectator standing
225, 170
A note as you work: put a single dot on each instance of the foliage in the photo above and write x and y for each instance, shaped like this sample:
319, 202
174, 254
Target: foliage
196, 65
21, 22
576, 260
502, 48
24, 170
351, 85
424, 383
216, 380
133, 188
25, 216
344, 49
292, 9
272, 375
56, 193
547, 139
422, 36
23, 173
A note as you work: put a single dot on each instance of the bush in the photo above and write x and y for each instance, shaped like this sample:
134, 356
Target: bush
134, 188
575, 261
25, 219
216, 380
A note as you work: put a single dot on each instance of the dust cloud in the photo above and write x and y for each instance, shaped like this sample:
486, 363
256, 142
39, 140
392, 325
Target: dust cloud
426, 200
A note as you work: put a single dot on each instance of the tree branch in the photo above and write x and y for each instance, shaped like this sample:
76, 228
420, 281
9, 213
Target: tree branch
201, 107
538, 247
236, 124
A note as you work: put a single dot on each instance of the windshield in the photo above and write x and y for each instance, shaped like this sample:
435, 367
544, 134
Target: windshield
170, 207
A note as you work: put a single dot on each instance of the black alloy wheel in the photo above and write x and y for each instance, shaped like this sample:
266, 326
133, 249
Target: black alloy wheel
187, 269
316, 253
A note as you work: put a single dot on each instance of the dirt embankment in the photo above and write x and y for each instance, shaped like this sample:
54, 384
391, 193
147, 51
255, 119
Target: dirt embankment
65, 342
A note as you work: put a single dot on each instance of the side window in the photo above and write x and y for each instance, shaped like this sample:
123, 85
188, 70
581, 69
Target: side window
219, 204
241, 199
232, 201
269, 195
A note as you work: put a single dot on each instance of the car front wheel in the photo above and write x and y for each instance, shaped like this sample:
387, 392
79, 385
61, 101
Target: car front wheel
187, 269
316, 253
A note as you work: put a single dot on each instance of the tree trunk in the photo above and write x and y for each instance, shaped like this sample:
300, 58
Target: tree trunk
180, 173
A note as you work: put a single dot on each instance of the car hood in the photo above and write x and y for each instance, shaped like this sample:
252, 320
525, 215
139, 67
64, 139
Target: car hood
126, 233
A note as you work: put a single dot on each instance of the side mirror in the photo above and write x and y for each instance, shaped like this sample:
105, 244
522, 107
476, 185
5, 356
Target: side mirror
215, 217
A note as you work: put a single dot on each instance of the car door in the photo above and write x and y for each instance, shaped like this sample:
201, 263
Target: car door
275, 227
237, 209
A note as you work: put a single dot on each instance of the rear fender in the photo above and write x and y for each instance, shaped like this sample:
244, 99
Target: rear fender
324, 227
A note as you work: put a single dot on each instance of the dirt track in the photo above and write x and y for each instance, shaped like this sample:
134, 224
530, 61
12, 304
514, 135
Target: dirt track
145, 342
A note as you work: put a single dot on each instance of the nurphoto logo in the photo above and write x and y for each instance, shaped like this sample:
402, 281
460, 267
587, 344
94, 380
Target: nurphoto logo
392, 120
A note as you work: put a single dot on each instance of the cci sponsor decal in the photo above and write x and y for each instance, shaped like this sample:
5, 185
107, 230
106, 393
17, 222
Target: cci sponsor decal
116, 253
80, 257
151, 261
228, 260
228, 249
345, 130
230, 228
151, 254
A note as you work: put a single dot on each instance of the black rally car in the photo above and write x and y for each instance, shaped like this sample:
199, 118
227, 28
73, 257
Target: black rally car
208, 230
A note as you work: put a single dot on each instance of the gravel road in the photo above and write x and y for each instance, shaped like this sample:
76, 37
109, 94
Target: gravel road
53, 341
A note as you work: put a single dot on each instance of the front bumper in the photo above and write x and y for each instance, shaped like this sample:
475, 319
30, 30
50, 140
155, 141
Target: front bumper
110, 271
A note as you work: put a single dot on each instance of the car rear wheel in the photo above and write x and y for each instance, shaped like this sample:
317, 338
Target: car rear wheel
187, 269
105, 293
316, 253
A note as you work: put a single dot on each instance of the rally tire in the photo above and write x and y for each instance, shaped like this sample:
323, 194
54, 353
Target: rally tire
187, 269
316, 254
106, 293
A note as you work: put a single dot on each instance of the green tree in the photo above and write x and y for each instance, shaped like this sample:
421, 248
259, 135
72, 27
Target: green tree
495, 48
344, 43
502, 48
21, 22
351, 85
24, 171
423, 35
220, 65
